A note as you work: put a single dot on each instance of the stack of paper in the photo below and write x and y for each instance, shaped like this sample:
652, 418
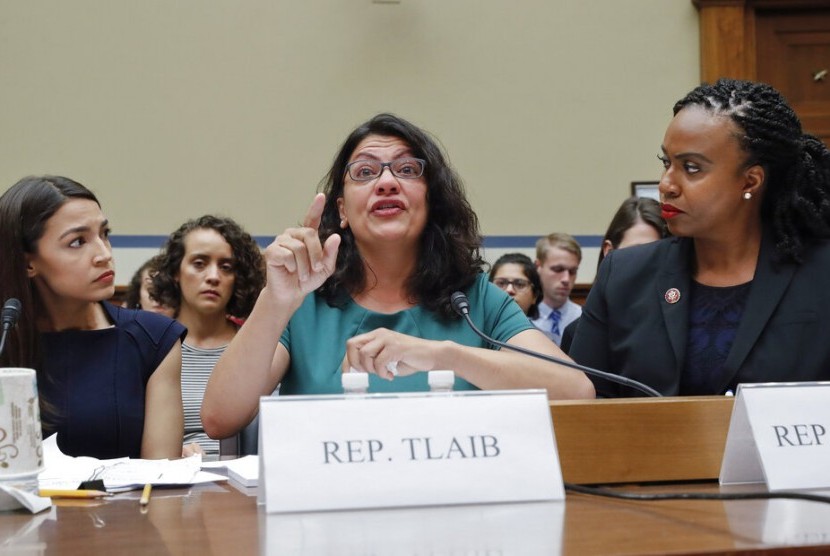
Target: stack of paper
121, 474
244, 471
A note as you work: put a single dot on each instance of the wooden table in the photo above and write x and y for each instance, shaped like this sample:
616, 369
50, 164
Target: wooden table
639, 440
220, 519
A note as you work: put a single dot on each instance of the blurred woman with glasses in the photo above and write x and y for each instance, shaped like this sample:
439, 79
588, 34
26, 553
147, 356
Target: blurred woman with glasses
516, 274
365, 283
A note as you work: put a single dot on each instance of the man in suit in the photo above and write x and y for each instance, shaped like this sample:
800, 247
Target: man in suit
558, 257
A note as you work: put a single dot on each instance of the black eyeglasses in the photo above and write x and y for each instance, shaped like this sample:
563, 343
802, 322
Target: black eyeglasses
519, 284
367, 170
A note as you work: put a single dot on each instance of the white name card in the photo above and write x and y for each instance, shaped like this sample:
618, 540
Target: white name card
779, 434
388, 450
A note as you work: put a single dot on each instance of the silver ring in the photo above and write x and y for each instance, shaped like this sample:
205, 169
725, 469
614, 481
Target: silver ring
392, 367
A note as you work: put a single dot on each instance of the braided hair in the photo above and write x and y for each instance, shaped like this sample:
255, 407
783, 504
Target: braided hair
796, 203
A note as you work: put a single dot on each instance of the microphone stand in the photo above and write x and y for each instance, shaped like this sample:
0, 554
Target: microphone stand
9, 316
462, 306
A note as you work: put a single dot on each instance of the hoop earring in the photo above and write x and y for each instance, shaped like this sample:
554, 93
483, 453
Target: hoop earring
747, 196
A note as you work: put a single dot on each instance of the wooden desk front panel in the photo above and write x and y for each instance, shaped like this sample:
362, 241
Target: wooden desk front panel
641, 439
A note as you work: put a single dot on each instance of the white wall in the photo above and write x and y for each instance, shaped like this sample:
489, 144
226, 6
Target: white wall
171, 109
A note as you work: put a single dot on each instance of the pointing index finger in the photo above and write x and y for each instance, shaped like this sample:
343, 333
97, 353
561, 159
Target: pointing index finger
315, 212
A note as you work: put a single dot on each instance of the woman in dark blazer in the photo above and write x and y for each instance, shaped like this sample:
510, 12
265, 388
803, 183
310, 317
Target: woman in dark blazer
740, 294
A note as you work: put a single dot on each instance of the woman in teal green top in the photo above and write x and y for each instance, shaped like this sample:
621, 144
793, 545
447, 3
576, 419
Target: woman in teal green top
316, 336
380, 253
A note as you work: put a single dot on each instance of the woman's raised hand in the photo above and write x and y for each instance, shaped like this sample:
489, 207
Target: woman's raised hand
296, 262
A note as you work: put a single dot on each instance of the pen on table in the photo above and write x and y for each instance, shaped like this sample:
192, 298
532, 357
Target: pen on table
58, 493
145, 495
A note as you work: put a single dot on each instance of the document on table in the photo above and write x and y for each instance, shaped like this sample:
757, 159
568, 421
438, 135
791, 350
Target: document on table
120, 474
244, 470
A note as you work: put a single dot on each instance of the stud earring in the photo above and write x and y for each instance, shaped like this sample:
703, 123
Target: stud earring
747, 195
343, 223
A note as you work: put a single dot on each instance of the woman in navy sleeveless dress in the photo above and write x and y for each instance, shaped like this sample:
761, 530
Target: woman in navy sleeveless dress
108, 377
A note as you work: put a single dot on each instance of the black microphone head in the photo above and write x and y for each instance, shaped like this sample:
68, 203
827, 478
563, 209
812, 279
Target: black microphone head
11, 312
460, 304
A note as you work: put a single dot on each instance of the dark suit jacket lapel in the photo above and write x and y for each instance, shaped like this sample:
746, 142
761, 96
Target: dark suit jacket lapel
676, 274
768, 288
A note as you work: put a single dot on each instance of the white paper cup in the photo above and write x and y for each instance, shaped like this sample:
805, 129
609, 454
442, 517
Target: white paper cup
21, 449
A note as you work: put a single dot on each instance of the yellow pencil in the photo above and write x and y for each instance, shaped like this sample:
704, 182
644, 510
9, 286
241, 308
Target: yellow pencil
57, 493
145, 494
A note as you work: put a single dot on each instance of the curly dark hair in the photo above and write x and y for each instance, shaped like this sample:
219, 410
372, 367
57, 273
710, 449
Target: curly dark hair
796, 203
249, 266
530, 273
132, 298
451, 237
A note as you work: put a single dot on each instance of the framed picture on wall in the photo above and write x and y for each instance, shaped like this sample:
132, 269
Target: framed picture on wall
645, 189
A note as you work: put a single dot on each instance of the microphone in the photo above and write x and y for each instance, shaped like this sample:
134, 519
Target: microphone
461, 305
8, 317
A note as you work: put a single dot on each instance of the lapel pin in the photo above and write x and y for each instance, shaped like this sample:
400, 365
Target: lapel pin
672, 295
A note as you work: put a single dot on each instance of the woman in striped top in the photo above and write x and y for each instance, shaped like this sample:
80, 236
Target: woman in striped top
210, 272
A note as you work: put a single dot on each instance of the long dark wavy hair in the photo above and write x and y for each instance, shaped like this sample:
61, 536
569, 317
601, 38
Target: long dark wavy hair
449, 257
25, 208
796, 202
249, 266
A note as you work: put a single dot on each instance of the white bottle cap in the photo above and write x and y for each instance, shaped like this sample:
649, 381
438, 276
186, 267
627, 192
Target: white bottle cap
441, 380
355, 381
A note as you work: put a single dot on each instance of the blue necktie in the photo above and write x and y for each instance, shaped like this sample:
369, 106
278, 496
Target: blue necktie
555, 316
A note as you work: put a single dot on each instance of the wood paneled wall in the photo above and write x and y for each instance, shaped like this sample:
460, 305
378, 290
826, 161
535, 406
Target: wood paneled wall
727, 34
785, 43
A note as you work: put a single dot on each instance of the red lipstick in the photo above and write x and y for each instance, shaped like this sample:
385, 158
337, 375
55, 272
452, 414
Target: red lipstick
669, 211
